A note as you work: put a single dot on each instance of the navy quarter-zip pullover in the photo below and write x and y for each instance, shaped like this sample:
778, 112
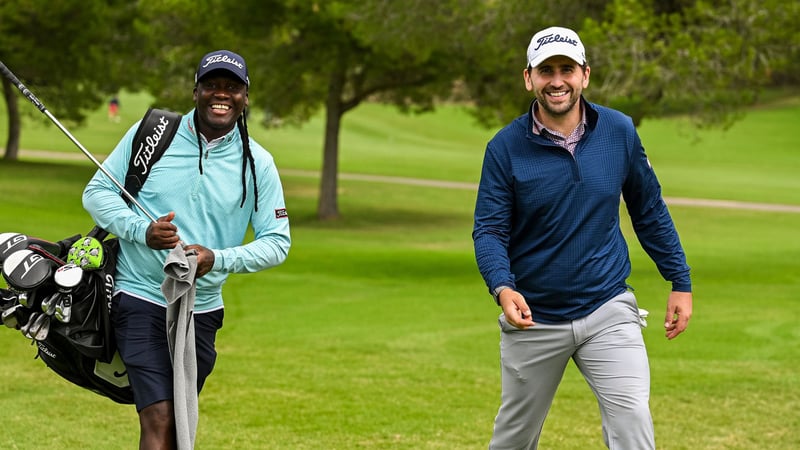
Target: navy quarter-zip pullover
547, 222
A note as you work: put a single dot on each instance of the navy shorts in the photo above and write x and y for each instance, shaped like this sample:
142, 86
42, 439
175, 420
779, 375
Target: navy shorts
140, 328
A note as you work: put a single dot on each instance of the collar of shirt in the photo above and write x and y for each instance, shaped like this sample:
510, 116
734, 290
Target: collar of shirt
568, 142
231, 135
214, 142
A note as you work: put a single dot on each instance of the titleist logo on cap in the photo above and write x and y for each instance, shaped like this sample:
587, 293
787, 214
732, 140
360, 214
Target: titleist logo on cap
213, 59
550, 38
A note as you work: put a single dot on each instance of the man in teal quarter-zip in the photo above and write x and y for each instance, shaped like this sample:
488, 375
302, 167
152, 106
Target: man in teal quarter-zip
212, 182
549, 246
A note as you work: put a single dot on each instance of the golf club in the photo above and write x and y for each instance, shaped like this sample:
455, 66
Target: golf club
24, 299
26, 329
42, 328
49, 303
7, 297
66, 278
9, 305
10, 317
64, 308
39, 105
34, 327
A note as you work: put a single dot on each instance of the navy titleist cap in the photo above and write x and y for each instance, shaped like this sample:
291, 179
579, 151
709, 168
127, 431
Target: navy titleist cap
223, 60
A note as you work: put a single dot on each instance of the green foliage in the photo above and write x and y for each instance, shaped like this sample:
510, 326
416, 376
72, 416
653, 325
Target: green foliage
699, 60
181, 32
696, 57
338, 54
493, 76
70, 52
705, 59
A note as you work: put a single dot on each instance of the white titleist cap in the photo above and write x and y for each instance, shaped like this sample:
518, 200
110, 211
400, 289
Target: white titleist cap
555, 41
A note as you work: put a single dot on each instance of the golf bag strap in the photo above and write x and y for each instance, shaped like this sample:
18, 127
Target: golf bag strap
155, 133
152, 138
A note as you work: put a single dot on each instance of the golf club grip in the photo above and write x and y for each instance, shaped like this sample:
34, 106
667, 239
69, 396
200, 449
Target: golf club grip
13, 78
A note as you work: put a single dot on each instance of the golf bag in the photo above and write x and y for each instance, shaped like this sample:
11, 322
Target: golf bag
60, 293
87, 349
60, 299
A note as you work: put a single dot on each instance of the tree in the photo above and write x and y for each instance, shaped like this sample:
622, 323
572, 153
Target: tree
704, 58
707, 59
306, 56
335, 55
494, 83
181, 31
70, 53
309, 55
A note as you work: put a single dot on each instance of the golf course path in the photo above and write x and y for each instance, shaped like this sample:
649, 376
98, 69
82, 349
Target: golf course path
700, 202
678, 201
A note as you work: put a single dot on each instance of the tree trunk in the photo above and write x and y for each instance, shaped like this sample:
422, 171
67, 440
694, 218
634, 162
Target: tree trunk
328, 208
12, 107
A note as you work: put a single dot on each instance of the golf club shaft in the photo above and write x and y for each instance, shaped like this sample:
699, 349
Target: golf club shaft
40, 106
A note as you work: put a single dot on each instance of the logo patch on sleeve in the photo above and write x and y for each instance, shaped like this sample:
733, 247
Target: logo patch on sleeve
281, 213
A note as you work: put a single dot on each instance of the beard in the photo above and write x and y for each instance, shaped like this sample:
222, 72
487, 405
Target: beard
561, 108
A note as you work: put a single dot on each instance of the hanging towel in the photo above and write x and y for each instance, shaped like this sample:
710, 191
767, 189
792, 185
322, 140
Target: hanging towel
179, 291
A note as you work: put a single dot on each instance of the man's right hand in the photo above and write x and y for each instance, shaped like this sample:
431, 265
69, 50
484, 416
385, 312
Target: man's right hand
515, 308
162, 234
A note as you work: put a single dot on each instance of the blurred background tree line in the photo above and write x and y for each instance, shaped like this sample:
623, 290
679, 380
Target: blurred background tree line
705, 59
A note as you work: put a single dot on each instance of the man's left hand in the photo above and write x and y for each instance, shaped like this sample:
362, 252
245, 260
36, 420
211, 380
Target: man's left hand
679, 311
205, 259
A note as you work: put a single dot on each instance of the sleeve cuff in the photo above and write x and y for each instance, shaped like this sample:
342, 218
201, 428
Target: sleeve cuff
682, 287
218, 260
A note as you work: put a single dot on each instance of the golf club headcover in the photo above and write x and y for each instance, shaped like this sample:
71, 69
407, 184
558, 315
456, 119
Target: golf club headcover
10, 243
68, 276
25, 270
36, 248
52, 248
86, 253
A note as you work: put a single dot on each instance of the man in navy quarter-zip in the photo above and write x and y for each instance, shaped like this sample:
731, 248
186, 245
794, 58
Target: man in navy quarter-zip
211, 183
549, 246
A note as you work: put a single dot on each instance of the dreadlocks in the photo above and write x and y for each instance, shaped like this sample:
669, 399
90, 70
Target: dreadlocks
247, 155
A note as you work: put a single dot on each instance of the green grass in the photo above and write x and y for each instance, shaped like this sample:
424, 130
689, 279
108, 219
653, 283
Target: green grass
755, 160
377, 332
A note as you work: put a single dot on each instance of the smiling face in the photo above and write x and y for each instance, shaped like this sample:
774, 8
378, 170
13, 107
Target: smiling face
557, 84
220, 99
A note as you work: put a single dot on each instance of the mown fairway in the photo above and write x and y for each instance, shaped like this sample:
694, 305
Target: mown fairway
378, 333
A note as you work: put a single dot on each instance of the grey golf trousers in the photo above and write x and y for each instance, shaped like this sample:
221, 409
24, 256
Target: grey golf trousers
607, 347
